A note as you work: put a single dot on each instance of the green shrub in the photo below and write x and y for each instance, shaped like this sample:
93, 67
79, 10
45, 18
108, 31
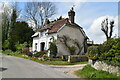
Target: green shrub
72, 50
8, 52
19, 46
93, 52
6, 44
109, 52
26, 44
29, 54
53, 49
40, 54
109, 44
45, 57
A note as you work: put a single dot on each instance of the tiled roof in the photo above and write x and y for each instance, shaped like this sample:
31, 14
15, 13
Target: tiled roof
55, 26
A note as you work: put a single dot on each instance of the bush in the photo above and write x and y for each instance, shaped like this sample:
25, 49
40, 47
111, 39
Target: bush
40, 54
93, 52
108, 44
6, 44
53, 49
26, 44
45, 57
109, 52
19, 46
29, 54
72, 50
7, 52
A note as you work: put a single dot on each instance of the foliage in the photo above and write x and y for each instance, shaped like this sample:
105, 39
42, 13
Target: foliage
45, 57
72, 50
93, 52
22, 33
29, 54
9, 44
25, 44
19, 46
6, 44
40, 54
90, 72
53, 62
53, 49
108, 52
8, 51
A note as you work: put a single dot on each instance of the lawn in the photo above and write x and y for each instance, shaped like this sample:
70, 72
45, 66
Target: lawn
58, 62
90, 72
54, 62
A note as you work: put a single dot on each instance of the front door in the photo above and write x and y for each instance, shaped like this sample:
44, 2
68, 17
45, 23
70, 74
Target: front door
42, 46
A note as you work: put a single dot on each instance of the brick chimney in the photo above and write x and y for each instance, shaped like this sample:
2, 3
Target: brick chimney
71, 15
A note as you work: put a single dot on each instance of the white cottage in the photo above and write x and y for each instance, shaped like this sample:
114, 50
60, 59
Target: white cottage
66, 28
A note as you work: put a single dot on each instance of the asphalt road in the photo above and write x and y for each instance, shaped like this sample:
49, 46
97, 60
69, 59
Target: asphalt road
0, 66
14, 67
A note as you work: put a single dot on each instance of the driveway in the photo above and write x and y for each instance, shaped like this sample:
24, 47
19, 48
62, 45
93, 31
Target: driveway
14, 67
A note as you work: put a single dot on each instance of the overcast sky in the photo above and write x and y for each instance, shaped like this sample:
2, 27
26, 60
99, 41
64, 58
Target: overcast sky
89, 15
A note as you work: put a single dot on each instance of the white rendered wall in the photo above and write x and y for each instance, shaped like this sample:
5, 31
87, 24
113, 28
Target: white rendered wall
44, 38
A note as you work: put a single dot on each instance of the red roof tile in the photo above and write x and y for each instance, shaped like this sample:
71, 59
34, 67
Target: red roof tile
55, 26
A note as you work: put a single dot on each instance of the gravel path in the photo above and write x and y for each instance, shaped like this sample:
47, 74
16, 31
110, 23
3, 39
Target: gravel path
68, 69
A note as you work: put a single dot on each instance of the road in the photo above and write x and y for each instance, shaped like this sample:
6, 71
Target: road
14, 67
0, 66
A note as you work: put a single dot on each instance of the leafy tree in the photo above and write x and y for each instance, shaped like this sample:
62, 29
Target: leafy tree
53, 47
9, 17
13, 19
22, 33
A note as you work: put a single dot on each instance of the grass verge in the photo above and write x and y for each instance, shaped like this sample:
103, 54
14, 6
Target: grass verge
54, 62
90, 72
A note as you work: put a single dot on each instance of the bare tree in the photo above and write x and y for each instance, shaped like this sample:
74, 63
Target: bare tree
106, 28
38, 12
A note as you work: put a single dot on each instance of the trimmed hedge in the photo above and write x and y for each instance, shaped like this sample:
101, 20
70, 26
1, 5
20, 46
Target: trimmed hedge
108, 52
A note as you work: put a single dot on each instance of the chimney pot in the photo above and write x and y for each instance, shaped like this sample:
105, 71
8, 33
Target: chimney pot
71, 15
